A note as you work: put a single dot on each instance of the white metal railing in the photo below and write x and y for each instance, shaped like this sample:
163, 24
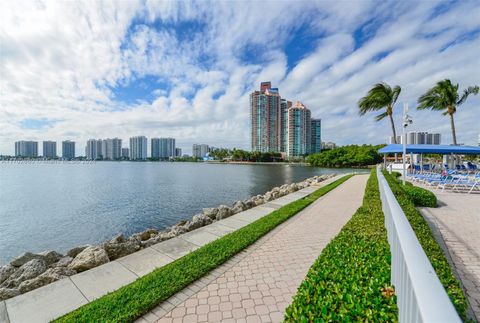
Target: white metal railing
420, 295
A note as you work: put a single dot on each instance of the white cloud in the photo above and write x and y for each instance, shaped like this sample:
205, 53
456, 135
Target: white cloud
61, 60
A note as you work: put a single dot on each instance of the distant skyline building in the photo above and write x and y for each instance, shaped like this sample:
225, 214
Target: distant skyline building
111, 148
200, 150
125, 153
49, 149
162, 148
26, 148
299, 130
138, 148
178, 152
316, 136
328, 145
93, 150
68, 149
418, 138
265, 119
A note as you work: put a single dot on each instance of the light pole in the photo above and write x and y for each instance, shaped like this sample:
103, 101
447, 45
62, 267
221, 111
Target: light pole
406, 121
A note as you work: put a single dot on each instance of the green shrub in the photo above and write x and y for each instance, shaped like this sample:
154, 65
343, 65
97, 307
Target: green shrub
345, 283
420, 196
430, 246
132, 301
347, 156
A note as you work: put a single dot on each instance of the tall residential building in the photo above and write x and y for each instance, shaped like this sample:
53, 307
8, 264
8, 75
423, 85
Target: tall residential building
284, 106
316, 137
111, 148
68, 149
49, 149
265, 119
93, 150
163, 148
299, 130
138, 148
125, 153
418, 138
178, 152
26, 148
200, 150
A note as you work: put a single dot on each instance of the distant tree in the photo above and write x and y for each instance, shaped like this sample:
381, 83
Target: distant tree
444, 97
381, 96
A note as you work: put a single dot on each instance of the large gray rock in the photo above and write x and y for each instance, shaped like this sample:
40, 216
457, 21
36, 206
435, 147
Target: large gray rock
91, 257
119, 246
146, 234
24, 258
249, 203
211, 212
29, 270
75, 251
202, 218
6, 293
50, 257
238, 207
259, 200
292, 188
49, 276
268, 197
161, 236
223, 212
64, 261
5, 272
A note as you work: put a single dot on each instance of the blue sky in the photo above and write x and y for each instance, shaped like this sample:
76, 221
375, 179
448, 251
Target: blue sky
80, 70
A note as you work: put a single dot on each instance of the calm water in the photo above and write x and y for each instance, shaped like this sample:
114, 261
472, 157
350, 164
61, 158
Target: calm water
59, 206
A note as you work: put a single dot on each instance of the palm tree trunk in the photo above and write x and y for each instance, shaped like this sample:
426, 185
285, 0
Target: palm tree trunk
394, 135
452, 124
393, 130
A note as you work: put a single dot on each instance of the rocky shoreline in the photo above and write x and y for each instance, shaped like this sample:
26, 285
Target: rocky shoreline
30, 271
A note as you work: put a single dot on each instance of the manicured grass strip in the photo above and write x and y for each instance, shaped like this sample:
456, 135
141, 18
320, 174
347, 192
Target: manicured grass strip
345, 283
432, 249
136, 299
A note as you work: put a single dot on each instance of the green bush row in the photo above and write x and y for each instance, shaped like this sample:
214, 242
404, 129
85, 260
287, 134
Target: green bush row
420, 196
432, 249
131, 301
350, 280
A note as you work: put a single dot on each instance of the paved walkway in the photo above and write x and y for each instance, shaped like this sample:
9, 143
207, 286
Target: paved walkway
258, 284
457, 219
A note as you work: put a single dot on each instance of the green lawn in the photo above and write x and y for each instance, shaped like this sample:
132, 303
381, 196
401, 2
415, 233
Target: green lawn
136, 299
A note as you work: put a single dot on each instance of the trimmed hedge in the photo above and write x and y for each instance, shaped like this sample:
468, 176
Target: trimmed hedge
350, 280
430, 246
131, 301
420, 196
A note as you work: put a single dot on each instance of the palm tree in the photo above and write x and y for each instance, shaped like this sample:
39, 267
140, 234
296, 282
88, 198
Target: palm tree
381, 96
445, 97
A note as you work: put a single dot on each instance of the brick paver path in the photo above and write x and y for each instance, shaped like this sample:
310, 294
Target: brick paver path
458, 220
258, 284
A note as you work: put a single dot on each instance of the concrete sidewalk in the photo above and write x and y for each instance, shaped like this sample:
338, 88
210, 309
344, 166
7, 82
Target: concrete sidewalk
258, 284
456, 222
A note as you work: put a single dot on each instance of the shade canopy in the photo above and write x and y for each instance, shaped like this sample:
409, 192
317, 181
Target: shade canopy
431, 149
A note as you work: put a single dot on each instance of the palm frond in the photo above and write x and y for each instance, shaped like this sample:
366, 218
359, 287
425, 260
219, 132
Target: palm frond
470, 90
381, 116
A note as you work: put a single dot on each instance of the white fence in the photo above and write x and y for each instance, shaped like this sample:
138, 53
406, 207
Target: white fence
420, 295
